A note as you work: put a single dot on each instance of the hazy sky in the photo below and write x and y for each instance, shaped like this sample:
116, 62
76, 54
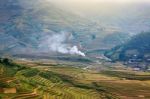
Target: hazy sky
118, 1
95, 3
94, 6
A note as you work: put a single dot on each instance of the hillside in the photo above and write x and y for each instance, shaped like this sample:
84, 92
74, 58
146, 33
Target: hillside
28, 25
137, 50
138, 46
25, 82
26, 79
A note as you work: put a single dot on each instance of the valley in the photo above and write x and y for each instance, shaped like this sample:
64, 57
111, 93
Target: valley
50, 79
74, 49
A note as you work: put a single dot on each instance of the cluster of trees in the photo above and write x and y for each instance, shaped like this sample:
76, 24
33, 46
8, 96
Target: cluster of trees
5, 61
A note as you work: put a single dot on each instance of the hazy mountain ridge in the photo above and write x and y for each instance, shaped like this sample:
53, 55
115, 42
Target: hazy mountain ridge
137, 48
30, 22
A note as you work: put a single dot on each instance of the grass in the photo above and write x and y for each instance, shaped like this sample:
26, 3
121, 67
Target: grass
51, 76
30, 72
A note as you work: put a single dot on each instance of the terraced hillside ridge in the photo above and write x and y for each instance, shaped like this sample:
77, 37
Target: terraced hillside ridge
38, 83
114, 83
50, 80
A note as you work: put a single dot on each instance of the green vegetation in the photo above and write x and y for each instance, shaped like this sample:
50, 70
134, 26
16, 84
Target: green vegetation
64, 82
76, 59
51, 76
30, 72
44, 84
139, 45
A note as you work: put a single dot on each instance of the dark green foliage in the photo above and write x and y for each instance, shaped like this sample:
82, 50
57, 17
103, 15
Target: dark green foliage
76, 59
3, 85
31, 72
114, 53
50, 76
98, 87
140, 42
34, 83
84, 86
10, 68
6, 61
10, 72
139, 45
0, 60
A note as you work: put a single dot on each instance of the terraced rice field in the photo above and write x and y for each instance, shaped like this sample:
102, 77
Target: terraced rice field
38, 81
50, 90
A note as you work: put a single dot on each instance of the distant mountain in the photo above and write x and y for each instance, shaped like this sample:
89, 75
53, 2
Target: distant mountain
117, 38
26, 24
137, 48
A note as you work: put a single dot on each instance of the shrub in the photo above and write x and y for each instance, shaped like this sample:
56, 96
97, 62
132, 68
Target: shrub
30, 72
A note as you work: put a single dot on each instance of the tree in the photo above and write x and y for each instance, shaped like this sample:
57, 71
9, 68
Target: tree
6, 61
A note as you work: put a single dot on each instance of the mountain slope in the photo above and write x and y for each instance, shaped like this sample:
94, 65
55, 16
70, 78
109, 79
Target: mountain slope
25, 25
138, 47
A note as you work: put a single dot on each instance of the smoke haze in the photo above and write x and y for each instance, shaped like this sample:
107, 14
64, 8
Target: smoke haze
58, 43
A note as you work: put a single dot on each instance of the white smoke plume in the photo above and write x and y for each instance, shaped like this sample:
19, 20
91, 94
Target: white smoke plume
57, 43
